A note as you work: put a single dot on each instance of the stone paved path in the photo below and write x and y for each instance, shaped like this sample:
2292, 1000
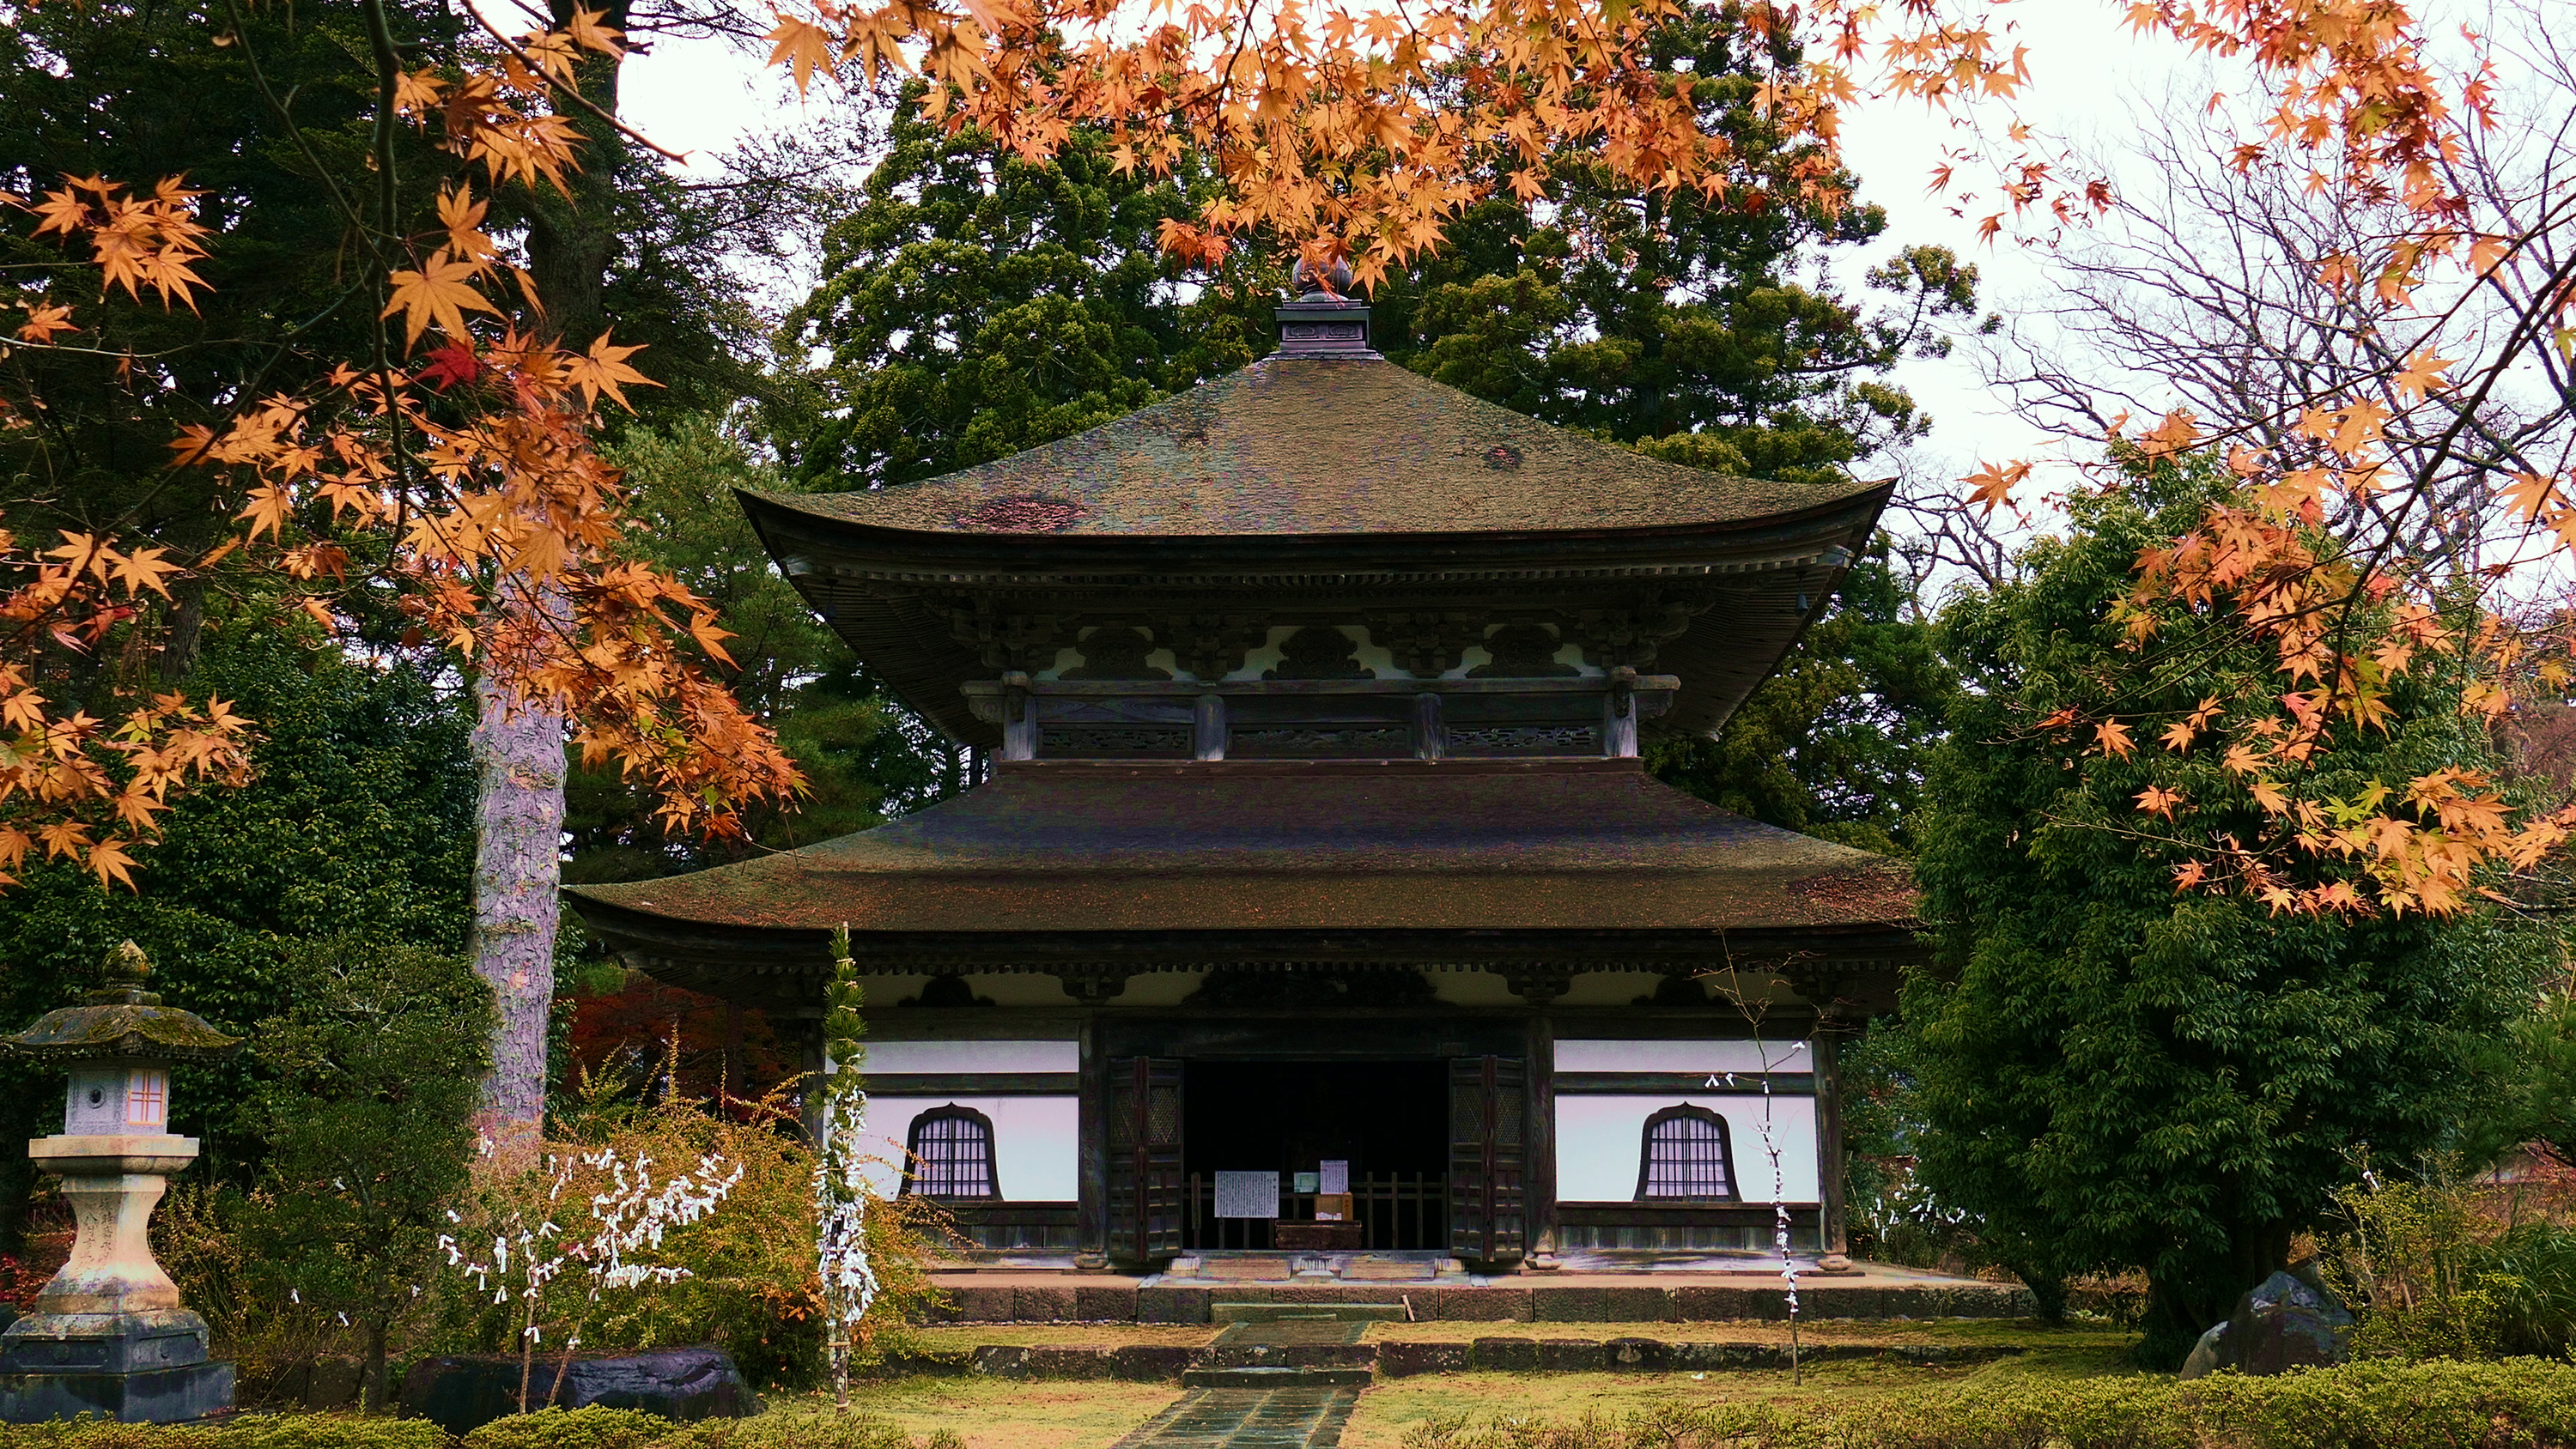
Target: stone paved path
1300, 1418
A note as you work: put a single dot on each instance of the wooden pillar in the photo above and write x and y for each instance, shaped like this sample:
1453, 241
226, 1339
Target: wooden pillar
1430, 727
1019, 718
807, 1034
1540, 1169
1832, 1227
1091, 1149
1208, 728
1619, 715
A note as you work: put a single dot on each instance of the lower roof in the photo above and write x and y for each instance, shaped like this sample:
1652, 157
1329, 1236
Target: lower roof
1081, 866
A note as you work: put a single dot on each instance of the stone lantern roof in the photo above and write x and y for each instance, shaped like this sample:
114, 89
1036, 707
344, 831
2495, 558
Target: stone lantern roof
122, 1021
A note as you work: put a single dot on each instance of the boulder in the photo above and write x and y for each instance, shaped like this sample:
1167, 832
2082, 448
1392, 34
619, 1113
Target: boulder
2287, 1321
466, 1391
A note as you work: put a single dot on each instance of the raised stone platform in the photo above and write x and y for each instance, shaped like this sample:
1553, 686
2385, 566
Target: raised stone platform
1875, 1293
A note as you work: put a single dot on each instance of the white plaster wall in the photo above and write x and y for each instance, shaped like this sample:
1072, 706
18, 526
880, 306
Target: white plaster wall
1377, 659
1035, 1142
1599, 1139
1682, 1056
974, 1056
1472, 988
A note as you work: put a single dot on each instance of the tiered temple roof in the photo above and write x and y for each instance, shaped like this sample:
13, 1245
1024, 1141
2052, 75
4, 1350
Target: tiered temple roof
1317, 664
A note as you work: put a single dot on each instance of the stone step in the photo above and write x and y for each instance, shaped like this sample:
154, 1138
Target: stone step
1264, 1417
1294, 1312
1288, 1355
1277, 1378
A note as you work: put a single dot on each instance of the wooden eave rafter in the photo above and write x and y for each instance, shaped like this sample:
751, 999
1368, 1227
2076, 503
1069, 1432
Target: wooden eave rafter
1776, 570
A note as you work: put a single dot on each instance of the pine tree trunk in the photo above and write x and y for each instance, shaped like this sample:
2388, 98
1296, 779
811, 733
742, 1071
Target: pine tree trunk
518, 862
519, 752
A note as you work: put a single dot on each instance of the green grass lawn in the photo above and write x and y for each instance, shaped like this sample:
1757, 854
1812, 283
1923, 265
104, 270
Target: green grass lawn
1001, 1414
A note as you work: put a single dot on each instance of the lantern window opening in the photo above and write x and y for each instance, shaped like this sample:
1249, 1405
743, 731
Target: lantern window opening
147, 1097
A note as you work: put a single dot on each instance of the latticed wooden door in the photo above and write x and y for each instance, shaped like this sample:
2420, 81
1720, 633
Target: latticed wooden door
1145, 1185
1488, 1157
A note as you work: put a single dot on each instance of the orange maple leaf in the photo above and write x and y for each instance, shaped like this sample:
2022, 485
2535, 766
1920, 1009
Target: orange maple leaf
2113, 739
43, 321
439, 292
1992, 484
603, 369
803, 47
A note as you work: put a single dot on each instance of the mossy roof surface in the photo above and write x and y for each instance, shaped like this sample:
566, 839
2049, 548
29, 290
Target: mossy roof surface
1468, 846
1292, 446
103, 1032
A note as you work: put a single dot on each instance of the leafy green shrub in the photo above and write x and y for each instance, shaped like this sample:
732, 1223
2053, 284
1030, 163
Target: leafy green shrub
750, 1286
369, 1121
2411, 1265
2531, 1274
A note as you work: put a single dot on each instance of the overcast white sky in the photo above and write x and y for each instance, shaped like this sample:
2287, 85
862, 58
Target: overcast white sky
2087, 69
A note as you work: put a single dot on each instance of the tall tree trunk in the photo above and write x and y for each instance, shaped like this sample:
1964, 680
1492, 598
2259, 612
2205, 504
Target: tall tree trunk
519, 750
518, 855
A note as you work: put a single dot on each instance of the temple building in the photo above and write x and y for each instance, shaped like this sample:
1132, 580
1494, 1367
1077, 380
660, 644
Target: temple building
1318, 899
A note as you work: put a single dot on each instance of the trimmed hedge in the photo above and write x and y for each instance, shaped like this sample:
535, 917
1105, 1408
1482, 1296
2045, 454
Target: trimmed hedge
2512, 1404
549, 1429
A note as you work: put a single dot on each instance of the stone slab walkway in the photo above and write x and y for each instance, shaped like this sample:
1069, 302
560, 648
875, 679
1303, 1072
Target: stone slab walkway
1306, 1418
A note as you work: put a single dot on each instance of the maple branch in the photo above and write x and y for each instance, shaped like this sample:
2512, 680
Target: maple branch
571, 93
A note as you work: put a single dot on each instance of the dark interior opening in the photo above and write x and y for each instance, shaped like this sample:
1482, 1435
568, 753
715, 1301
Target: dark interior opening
1384, 1118
1389, 1120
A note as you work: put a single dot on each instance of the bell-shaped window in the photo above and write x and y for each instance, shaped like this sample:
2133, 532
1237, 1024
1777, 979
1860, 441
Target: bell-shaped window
1686, 1157
951, 1149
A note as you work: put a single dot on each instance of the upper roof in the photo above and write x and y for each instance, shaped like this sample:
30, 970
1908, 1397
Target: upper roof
1589, 863
1302, 445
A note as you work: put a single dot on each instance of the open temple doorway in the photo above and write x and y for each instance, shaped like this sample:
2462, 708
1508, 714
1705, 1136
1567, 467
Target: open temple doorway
1387, 1120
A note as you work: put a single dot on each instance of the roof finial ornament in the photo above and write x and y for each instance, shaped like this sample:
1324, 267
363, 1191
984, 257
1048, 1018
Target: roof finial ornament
1329, 284
1325, 321
122, 977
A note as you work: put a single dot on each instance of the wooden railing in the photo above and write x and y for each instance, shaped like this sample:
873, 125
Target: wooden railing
1400, 1212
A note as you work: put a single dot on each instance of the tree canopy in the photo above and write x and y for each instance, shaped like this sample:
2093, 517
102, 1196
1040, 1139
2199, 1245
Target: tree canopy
975, 304
2115, 1072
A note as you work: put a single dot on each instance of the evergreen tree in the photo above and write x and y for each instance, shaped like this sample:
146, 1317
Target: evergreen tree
2116, 1074
975, 305
357, 821
863, 755
1834, 743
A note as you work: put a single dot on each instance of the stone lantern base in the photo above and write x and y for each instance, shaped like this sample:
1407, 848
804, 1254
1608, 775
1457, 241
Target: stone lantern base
108, 1336
134, 1368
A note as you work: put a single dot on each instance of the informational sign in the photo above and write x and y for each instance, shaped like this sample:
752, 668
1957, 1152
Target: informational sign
1247, 1195
1336, 1176
1306, 1182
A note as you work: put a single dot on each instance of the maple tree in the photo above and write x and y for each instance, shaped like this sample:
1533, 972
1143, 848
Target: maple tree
1365, 133
448, 472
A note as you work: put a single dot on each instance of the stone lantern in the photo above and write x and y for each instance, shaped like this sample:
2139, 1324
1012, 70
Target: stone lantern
106, 1335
